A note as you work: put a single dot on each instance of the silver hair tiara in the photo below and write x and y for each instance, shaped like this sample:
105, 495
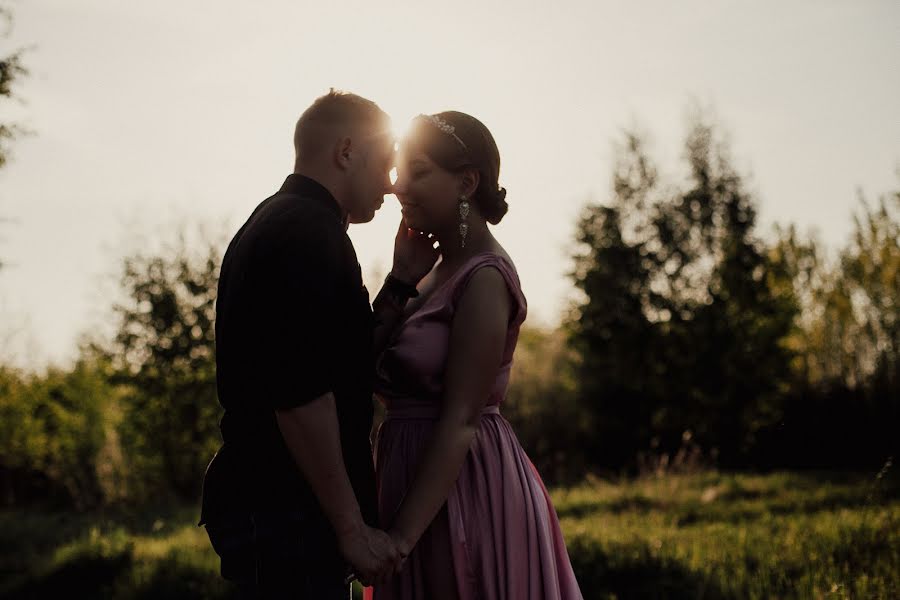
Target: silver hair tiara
445, 127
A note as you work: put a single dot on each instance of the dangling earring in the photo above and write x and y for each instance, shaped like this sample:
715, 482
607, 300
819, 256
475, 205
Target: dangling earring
463, 214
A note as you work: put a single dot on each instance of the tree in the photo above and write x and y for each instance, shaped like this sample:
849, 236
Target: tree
12, 70
798, 270
846, 384
610, 328
871, 268
541, 404
164, 352
850, 321
53, 434
678, 331
737, 334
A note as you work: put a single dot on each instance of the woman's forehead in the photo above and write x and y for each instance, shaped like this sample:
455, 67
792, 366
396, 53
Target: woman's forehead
410, 152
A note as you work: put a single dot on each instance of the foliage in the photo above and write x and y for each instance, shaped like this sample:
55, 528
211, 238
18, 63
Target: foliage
677, 327
12, 70
164, 353
54, 435
541, 404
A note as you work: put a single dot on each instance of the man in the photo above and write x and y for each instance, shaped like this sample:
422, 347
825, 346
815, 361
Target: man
289, 501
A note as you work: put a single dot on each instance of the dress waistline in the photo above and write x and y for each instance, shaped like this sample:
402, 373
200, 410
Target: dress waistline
428, 412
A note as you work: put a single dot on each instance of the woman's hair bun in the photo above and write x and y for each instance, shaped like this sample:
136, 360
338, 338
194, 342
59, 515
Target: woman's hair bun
495, 206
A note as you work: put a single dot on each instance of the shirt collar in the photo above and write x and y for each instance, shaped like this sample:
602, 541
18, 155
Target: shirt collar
307, 187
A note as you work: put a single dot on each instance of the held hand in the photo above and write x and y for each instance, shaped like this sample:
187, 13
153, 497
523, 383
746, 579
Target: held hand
403, 548
371, 553
414, 254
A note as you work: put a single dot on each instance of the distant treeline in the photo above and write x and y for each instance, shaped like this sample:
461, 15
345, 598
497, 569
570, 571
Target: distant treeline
696, 342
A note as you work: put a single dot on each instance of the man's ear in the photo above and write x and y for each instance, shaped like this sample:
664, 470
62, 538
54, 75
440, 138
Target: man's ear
343, 153
468, 182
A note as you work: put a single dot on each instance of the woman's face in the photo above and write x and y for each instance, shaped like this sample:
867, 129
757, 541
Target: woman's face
428, 193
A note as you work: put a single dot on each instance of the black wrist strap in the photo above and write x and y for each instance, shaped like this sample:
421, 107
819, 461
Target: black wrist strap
400, 288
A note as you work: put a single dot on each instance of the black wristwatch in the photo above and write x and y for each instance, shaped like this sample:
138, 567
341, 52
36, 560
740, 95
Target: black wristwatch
400, 288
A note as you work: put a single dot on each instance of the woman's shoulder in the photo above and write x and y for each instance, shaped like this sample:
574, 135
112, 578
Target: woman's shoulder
492, 270
497, 258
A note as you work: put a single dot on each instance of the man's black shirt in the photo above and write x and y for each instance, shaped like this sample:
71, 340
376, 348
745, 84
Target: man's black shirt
293, 322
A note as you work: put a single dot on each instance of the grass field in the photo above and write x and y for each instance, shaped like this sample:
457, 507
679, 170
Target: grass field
709, 535
735, 536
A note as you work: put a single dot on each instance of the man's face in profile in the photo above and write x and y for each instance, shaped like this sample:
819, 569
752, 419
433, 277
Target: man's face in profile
371, 178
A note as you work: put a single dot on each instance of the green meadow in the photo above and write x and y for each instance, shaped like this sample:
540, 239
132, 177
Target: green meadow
706, 535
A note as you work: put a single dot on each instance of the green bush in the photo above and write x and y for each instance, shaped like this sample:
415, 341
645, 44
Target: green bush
53, 433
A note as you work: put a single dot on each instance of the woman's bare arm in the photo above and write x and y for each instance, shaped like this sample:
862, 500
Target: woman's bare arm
477, 341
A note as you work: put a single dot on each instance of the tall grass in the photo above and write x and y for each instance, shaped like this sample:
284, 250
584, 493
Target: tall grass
735, 536
707, 535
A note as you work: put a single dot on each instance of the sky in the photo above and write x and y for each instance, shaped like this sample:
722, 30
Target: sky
145, 115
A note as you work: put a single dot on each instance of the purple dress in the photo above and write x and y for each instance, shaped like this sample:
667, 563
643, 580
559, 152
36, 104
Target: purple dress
497, 537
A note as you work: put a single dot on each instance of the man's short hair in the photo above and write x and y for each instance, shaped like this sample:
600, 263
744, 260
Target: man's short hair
337, 112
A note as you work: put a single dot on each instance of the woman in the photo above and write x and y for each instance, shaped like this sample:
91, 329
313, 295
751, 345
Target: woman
456, 491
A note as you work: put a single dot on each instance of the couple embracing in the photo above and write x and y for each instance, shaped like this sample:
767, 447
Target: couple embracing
447, 504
